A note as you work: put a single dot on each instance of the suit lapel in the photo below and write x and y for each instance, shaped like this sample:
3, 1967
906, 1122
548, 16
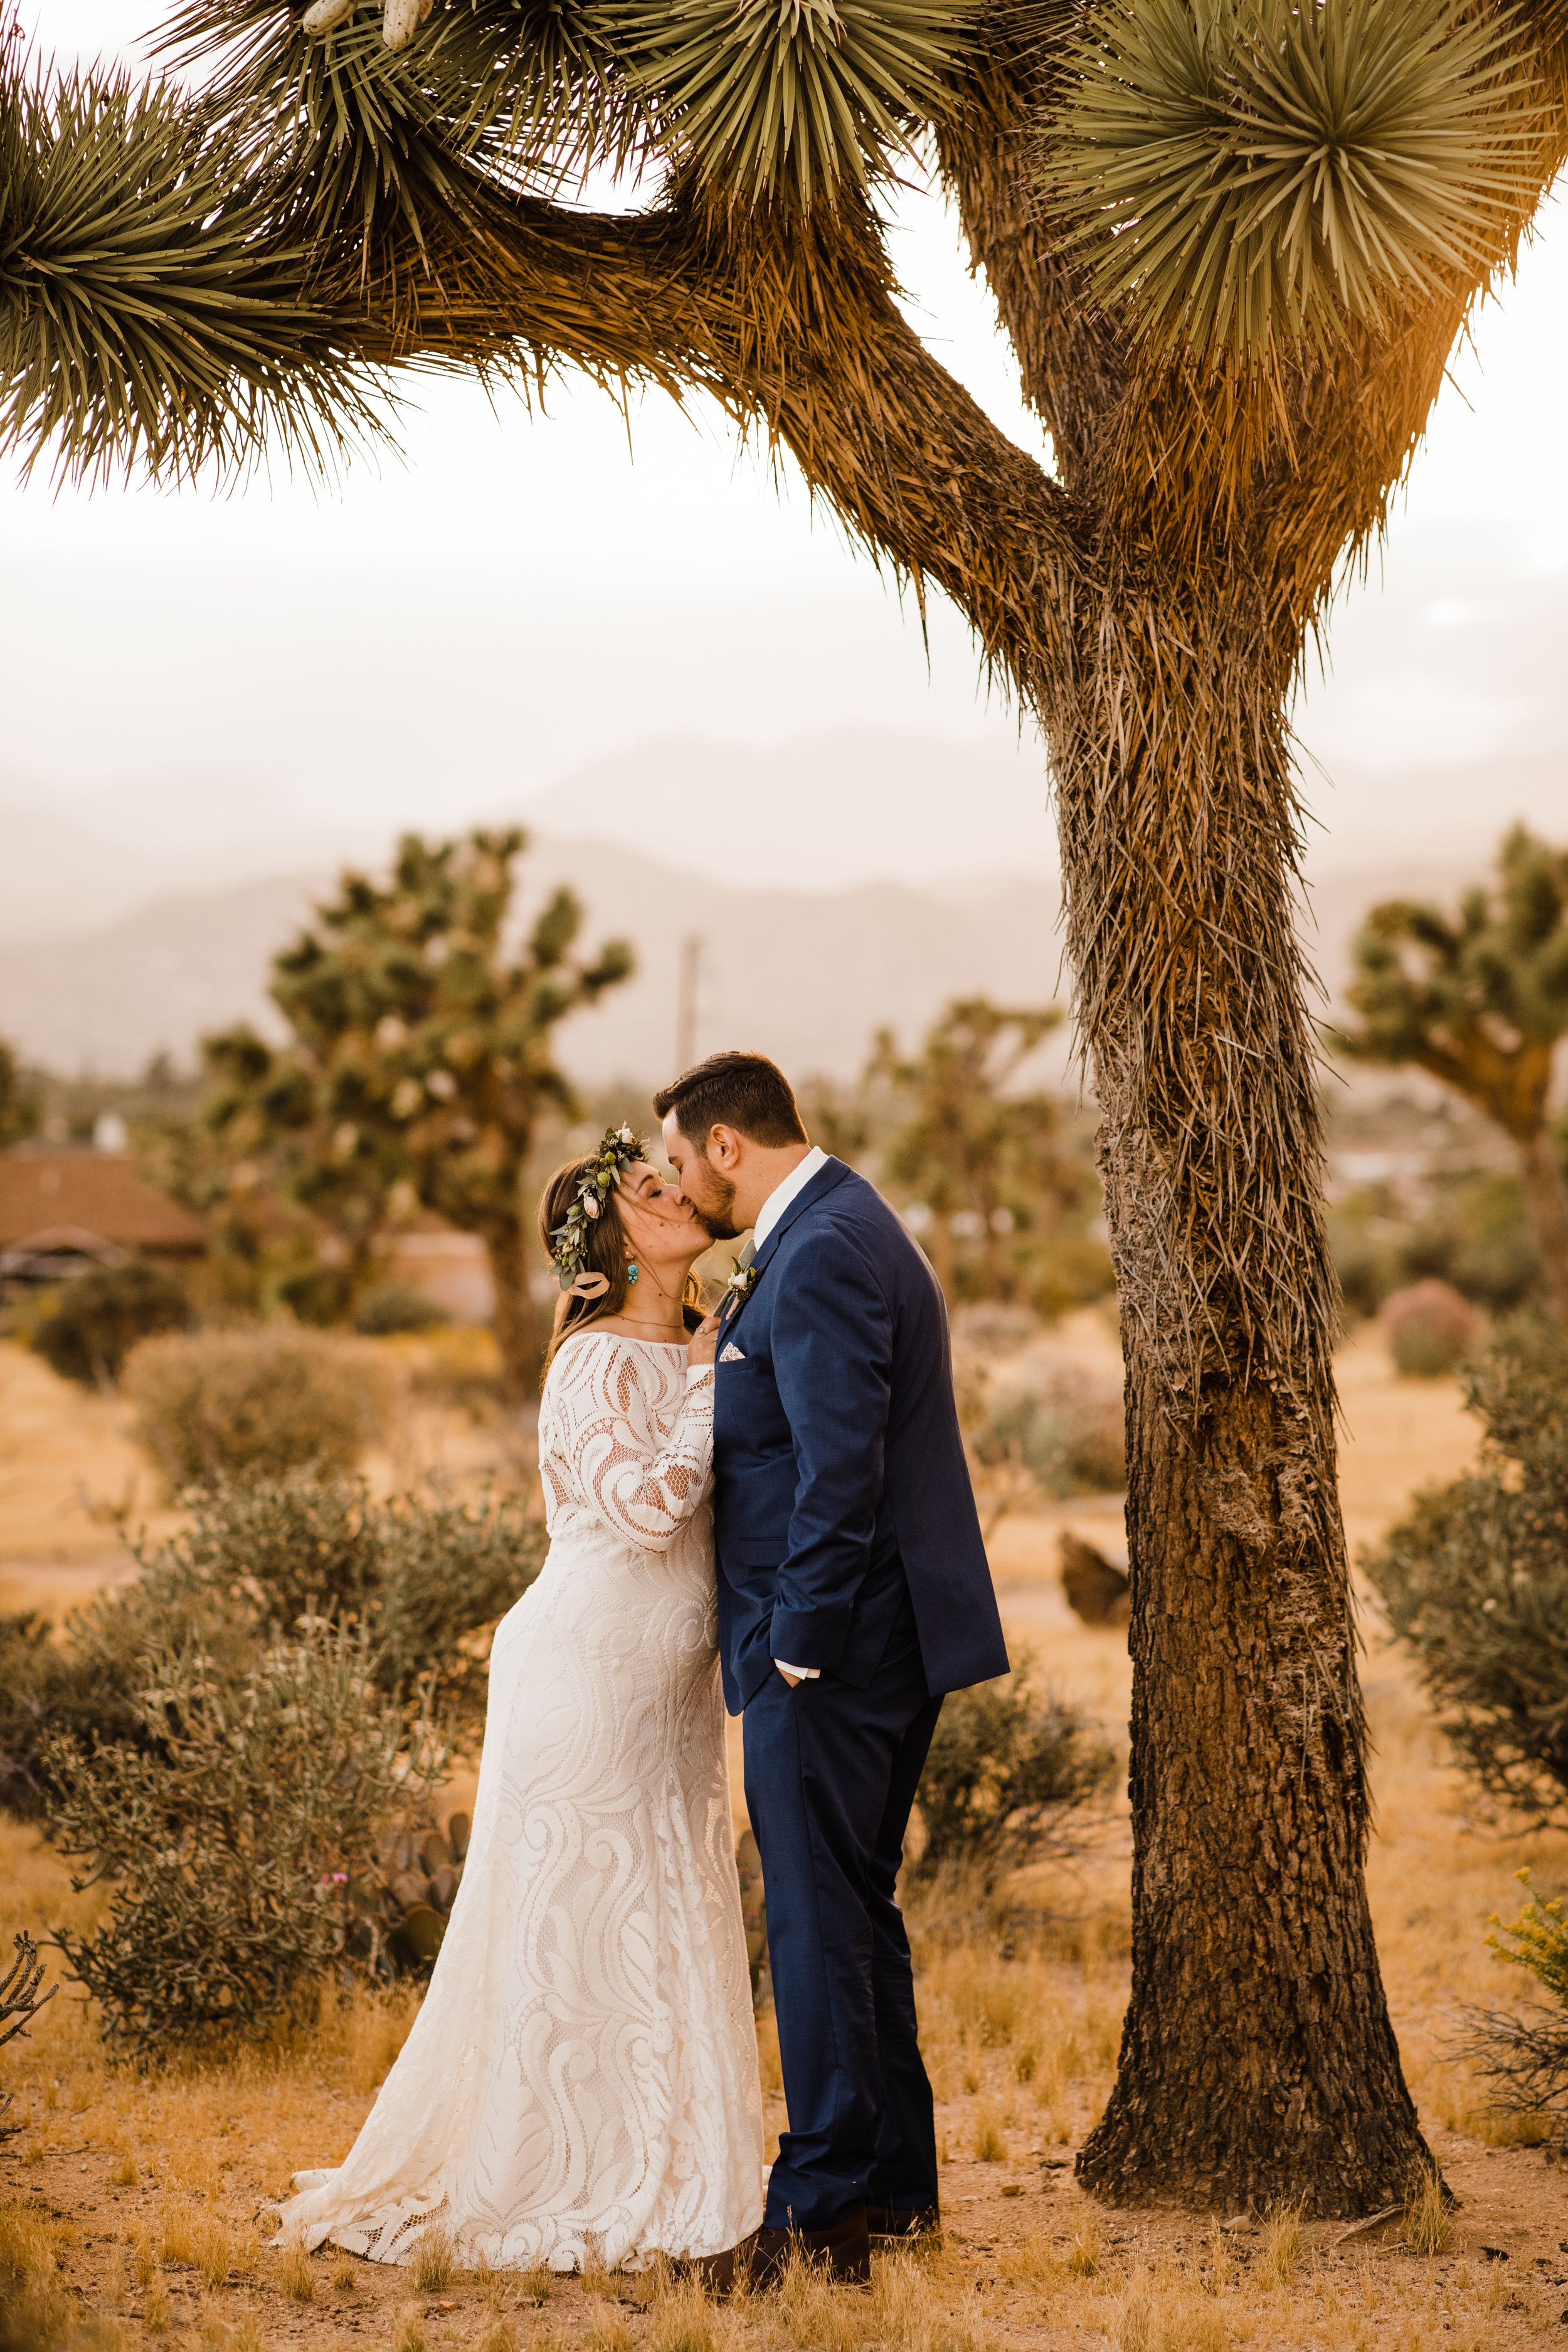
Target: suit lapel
825, 1180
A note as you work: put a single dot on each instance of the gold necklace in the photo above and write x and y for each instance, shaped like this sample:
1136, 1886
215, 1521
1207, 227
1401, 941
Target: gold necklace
648, 1324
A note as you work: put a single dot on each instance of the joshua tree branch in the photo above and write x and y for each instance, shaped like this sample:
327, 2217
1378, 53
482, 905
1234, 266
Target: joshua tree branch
788, 322
1072, 360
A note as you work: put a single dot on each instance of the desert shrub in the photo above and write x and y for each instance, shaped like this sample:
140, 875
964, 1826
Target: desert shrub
37, 1697
1429, 1329
1526, 2058
22, 1996
1474, 1233
236, 1403
1010, 1772
1476, 1580
445, 1571
102, 1316
425, 1575
229, 1839
390, 1306
261, 1549
1063, 1424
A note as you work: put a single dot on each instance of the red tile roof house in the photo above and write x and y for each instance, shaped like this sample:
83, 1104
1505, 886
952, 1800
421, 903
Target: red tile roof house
61, 1211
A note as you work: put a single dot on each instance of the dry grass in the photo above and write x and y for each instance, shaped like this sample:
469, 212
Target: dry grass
1428, 2228
682, 2319
435, 2260
1084, 2248
1283, 2239
296, 2273
1163, 2311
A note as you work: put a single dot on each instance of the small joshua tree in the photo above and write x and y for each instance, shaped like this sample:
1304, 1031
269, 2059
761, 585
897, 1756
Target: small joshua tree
983, 1158
1479, 999
419, 1065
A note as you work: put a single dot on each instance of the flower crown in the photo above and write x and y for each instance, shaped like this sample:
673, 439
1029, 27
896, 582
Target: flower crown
620, 1149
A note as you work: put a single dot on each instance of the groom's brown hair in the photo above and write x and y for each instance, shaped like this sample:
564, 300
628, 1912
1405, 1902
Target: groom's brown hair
745, 1091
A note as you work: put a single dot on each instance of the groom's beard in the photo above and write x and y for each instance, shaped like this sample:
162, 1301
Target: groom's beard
714, 1202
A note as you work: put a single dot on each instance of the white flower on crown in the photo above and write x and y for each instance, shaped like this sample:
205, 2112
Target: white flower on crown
590, 1204
627, 1136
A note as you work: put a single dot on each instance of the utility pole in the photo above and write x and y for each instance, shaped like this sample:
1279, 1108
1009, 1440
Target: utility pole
688, 972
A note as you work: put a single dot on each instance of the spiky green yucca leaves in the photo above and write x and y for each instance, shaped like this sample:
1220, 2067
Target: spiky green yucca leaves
1248, 171
797, 95
527, 83
150, 306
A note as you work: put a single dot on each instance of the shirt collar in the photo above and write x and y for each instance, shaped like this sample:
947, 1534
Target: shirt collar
781, 1196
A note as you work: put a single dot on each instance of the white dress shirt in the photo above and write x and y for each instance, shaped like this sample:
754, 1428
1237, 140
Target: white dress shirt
779, 1199
768, 1215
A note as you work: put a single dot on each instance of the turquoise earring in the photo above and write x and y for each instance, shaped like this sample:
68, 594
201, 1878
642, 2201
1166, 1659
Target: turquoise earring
631, 1274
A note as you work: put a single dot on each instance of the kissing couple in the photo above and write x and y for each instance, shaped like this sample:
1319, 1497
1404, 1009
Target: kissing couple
766, 1509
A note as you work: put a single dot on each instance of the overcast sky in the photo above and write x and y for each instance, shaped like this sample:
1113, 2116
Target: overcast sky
456, 628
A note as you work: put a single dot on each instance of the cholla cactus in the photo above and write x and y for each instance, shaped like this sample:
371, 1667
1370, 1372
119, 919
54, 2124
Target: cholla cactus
20, 2002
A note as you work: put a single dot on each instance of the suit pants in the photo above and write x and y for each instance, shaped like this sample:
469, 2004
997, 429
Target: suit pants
831, 1774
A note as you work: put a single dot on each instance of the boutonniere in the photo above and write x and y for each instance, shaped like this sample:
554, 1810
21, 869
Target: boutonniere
742, 1280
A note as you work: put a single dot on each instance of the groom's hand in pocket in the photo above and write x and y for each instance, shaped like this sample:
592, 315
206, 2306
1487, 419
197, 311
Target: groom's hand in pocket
794, 1680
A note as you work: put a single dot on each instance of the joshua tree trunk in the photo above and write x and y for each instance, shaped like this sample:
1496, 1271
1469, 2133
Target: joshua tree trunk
517, 1324
1257, 2058
1546, 1195
1258, 2061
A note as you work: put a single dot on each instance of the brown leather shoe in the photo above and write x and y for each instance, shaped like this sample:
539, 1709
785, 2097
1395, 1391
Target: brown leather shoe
844, 2251
716, 2274
904, 2225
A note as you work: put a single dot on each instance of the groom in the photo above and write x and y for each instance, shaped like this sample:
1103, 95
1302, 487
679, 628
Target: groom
853, 1591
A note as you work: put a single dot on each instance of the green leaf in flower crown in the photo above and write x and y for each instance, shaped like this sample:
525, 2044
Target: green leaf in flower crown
1244, 172
801, 94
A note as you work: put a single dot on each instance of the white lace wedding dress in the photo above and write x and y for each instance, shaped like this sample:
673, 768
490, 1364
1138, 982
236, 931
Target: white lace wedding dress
582, 2077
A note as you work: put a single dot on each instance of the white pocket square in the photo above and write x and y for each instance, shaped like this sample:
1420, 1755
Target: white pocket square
732, 1355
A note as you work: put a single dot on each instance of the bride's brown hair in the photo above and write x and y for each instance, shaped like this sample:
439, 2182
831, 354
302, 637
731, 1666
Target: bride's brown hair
605, 1251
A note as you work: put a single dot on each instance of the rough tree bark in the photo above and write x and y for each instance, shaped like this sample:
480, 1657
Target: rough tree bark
1257, 2049
1258, 2059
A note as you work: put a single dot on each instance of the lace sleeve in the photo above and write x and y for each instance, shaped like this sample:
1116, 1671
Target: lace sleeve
643, 1484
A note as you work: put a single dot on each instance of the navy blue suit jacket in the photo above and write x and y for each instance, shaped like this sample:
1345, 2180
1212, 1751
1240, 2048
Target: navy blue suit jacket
841, 1496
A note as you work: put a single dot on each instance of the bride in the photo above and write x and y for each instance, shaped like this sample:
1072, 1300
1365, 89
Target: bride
581, 2082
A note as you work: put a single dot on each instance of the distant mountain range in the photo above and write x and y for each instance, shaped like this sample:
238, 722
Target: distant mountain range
146, 915
806, 977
